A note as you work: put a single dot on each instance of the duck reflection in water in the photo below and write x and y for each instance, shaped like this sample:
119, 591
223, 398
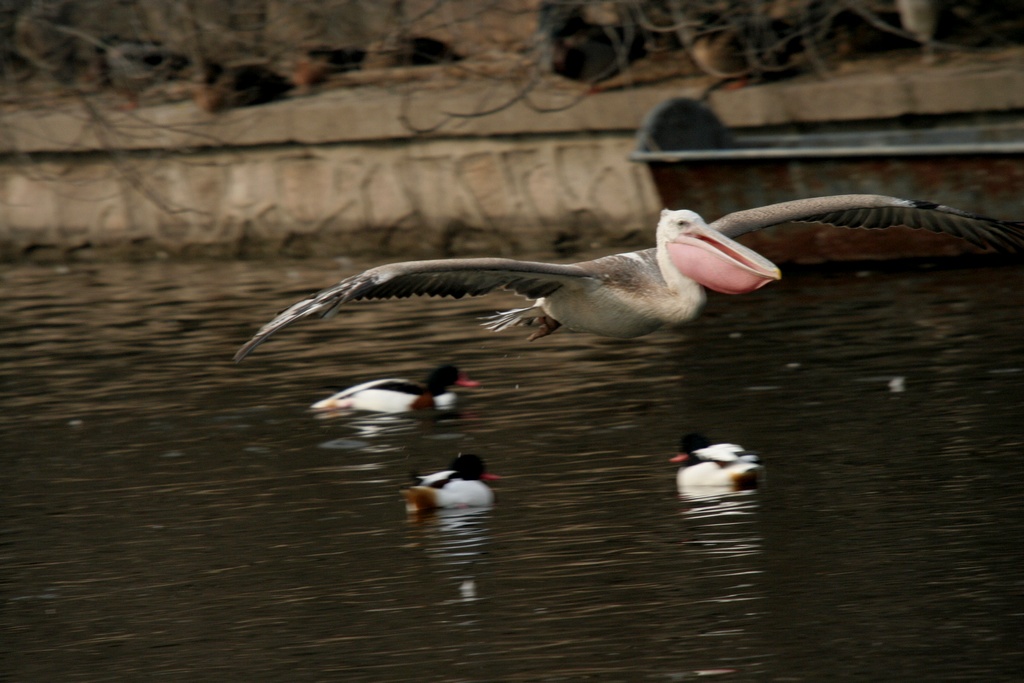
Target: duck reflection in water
456, 539
368, 428
723, 550
723, 553
455, 501
719, 482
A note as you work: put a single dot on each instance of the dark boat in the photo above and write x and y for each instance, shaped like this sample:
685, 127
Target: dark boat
697, 163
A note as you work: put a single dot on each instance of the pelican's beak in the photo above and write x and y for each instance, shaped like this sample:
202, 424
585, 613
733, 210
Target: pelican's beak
707, 256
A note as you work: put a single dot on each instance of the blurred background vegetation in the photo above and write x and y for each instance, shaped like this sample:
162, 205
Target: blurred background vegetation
227, 53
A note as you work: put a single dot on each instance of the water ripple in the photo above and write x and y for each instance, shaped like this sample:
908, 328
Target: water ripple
170, 513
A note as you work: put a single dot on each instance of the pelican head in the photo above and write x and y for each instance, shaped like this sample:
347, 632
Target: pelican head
705, 255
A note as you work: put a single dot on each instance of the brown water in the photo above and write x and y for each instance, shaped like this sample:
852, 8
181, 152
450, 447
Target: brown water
169, 515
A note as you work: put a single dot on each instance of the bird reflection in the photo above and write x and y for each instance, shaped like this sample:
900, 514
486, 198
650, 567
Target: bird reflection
456, 540
723, 547
723, 558
724, 522
367, 427
370, 425
723, 530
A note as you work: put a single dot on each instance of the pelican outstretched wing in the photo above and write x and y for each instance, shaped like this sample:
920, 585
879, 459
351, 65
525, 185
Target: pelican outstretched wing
443, 277
878, 211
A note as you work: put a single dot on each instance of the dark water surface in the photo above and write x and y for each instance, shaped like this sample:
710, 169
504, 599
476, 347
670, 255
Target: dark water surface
168, 515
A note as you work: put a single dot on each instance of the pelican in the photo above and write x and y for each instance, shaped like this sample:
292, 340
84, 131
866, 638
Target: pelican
632, 294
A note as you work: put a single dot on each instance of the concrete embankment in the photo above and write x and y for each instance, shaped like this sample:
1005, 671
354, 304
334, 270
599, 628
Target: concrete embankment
352, 171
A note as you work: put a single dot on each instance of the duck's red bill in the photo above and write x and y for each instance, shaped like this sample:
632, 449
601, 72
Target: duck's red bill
465, 381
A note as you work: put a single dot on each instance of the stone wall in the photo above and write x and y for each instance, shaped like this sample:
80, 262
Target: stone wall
415, 198
334, 173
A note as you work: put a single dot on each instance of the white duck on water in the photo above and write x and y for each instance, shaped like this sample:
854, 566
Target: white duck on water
400, 395
720, 465
633, 294
460, 486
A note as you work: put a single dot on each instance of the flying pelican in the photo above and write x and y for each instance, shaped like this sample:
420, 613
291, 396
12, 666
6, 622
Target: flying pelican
632, 294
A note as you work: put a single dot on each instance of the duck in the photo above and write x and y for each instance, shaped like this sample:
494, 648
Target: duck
720, 465
423, 51
584, 51
632, 294
460, 486
401, 395
239, 85
754, 49
920, 18
131, 67
317, 64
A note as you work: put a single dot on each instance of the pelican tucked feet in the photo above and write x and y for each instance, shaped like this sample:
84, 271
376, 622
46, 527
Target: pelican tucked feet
633, 294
